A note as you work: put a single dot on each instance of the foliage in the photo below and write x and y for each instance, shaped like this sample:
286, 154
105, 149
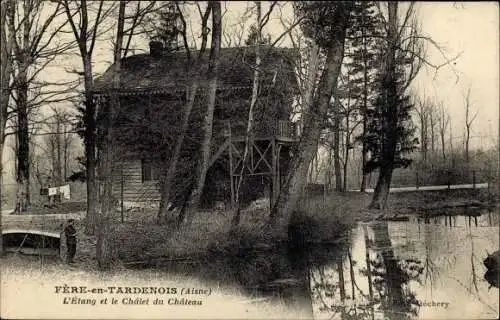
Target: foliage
377, 133
362, 61
390, 130
253, 34
81, 174
163, 25
319, 19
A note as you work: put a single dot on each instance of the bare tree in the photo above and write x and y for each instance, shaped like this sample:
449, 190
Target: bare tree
86, 28
257, 40
337, 119
404, 52
432, 127
255, 90
232, 35
33, 48
192, 67
423, 119
315, 110
393, 132
212, 74
58, 142
443, 123
6, 43
470, 117
351, 123
104, 249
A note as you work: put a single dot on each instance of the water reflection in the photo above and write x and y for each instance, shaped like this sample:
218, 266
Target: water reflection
378, 284
427, 267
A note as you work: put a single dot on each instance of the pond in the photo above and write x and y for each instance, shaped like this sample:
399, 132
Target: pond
420, 268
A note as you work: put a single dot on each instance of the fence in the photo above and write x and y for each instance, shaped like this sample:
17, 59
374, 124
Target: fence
448, 176
78, 194
281, 128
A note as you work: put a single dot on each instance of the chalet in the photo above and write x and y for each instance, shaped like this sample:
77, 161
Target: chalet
152, 95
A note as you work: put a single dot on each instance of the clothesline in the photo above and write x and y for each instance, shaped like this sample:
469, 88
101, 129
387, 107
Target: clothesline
64, 190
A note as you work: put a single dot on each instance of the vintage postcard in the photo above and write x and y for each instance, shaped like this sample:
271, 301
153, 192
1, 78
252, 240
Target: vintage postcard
249, 160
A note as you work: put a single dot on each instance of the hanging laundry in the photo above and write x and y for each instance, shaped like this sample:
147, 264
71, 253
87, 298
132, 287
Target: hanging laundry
52, 191
65, 191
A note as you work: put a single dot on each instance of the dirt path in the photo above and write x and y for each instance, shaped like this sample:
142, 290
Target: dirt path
432, 188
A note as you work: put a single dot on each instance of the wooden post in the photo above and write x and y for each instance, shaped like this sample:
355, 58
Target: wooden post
121, 192
449, 179
416, 178
274, 177
473, 179
231, 180
278, 171
489, 179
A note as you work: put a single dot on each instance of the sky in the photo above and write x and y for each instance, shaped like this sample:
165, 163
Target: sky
470, 29
467, 29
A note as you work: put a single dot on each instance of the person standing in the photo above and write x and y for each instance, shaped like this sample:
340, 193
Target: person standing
70, 234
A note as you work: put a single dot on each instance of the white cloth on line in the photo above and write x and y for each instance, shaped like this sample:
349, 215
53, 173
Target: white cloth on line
52, 191
65, 191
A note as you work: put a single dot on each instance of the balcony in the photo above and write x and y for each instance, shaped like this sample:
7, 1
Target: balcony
283, 130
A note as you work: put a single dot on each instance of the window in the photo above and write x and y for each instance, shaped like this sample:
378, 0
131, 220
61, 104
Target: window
150, 172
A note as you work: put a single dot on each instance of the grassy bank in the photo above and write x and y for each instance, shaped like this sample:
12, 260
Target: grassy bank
140, 240
323, 221
60, 208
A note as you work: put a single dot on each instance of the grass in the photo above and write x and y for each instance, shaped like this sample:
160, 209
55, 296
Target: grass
61, 208
211, 235
212, 231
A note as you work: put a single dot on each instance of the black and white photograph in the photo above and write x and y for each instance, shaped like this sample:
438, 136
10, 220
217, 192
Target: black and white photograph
249, 159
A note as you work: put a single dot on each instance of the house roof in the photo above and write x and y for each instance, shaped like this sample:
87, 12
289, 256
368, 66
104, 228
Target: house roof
167, 72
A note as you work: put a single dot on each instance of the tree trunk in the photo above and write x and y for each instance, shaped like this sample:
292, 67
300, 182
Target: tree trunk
443, 146
381, 193
213, 63
467, 139
58, 153
433, 142
346, 160
104, 245
249, 131
65, 153
1, 187
168, 177
397, 304
90, 148
23, 165
364, 151
5, 77
423, 134
451, 141
390, 121
336, 148
329, 170
167, 181
52, 159
369, 269
314, 117
340, 271
104, 250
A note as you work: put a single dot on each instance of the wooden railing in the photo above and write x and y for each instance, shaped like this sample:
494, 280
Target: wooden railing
261, 129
